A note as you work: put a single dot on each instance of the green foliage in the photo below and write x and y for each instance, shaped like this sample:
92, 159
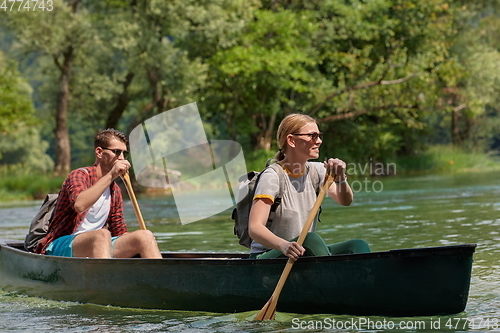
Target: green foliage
21, 148
132, 61
380, 58
205, 27
256, 160
24, 153
385, 79
50, 31
16, 107
447, 159
249, 83
27, 187
375, 69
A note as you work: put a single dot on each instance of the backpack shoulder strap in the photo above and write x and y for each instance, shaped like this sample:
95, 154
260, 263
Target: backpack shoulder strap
281, 176
281, 179
315, 177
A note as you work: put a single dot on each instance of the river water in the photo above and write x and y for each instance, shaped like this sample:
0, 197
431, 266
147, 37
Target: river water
389, 213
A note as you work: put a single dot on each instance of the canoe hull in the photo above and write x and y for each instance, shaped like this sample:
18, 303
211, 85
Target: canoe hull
409, 282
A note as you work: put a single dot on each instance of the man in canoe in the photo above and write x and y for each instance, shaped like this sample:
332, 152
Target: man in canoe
88, 218
299, 140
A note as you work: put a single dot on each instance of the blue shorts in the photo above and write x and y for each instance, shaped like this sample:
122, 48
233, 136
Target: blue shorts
63, 246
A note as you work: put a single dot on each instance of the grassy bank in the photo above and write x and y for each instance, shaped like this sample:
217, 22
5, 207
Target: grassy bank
447, 159
28, 187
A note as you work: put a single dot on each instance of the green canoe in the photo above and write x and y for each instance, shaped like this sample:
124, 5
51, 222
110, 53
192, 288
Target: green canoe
404, 282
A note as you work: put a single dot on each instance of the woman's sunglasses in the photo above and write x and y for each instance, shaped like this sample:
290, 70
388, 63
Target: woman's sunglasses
118, 152
314, 136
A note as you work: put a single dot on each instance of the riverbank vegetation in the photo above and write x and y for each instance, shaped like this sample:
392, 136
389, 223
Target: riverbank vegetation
410, 82
447, 159
436, 160
28, 187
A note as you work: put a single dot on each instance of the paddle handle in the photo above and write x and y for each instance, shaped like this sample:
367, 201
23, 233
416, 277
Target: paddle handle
135, 204
269, 309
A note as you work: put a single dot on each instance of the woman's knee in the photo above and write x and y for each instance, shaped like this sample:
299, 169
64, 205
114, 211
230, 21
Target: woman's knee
315, 245
349, 247
359, 246
313, 237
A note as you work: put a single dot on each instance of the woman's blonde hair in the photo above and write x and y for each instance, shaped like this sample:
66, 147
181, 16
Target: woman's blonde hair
289, 125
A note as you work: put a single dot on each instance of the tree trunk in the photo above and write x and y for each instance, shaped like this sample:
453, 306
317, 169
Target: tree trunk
122, 101
455, 133
63, 147
158, 99
266, 137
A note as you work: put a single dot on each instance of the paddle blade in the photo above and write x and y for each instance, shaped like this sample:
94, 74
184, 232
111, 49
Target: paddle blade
268, 311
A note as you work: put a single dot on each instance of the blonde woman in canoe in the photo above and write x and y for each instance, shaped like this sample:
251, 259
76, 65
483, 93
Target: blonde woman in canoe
299, 141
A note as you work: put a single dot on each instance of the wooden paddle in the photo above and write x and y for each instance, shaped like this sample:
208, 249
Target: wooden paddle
269, 309
137, 210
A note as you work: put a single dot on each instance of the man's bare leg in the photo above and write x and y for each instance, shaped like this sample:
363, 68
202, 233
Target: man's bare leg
140, 242
93, 244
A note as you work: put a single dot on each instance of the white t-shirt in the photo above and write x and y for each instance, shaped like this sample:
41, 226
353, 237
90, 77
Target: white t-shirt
97, 214
298, 198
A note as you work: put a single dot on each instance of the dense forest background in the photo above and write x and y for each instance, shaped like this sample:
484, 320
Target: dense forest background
385, 79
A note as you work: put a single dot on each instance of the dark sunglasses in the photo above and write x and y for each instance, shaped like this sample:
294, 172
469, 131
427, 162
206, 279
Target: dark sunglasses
118, 152
314, 136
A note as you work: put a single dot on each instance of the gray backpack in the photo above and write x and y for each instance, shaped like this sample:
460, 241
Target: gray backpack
40, 223
246, 191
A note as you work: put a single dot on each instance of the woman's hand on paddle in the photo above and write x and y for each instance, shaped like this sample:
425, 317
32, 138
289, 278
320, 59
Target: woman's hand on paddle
338, 166
340, 191
292, 250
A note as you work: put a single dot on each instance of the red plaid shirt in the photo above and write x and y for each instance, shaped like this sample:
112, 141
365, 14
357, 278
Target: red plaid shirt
66, 220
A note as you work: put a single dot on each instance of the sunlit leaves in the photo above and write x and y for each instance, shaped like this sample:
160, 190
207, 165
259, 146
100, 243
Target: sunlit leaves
16, 107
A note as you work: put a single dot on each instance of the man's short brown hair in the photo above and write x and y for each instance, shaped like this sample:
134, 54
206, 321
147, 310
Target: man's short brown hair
104, 137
